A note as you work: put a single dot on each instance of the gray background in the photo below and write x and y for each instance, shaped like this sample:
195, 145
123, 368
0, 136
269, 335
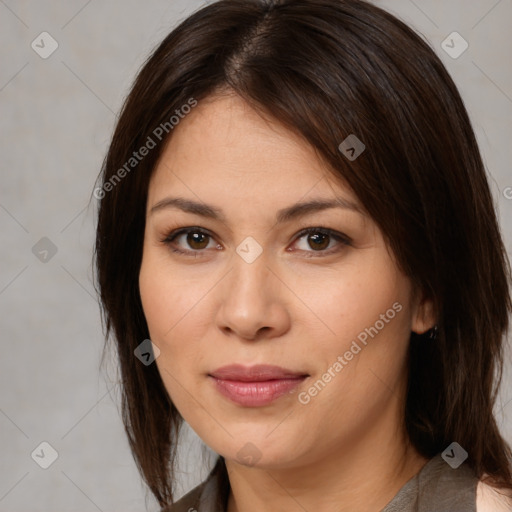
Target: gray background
57, 116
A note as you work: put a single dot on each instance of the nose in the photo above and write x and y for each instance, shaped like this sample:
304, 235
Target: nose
253, 302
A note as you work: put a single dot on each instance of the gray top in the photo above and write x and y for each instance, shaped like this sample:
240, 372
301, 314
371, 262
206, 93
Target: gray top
436, 488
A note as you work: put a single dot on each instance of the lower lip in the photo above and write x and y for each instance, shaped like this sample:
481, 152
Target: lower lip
256, 394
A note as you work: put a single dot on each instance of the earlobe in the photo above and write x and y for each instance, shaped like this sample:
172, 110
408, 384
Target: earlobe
423, 318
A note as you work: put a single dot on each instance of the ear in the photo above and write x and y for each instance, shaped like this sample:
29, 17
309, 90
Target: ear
423, 318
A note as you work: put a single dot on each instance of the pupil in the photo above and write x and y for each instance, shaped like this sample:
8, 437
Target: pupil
197, 240
320, 240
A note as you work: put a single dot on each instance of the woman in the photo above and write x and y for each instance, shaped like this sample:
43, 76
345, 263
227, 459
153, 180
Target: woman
295, 212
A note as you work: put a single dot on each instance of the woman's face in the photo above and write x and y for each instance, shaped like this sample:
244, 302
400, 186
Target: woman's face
278, 347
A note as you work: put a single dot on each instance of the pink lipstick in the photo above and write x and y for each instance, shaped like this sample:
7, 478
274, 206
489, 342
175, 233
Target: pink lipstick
255, 386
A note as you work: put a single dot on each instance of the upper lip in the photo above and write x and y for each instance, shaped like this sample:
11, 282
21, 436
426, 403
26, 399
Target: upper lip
256, 373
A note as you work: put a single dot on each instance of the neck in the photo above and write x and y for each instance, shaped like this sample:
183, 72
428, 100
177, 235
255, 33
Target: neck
362, 479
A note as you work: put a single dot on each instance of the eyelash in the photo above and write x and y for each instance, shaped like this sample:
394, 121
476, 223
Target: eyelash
339, 237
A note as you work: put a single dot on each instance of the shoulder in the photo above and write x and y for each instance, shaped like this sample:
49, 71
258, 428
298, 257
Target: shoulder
490, 499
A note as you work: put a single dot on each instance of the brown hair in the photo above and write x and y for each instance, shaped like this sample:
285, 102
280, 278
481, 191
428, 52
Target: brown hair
327, 69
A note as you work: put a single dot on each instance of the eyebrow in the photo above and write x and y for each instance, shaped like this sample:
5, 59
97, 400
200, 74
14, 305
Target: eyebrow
284, 215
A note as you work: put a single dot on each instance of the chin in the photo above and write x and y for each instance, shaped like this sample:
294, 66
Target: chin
257, 450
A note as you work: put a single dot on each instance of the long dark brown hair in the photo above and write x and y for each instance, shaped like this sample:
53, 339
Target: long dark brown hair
327, 69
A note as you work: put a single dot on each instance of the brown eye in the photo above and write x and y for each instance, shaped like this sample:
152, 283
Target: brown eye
322, 241
318, 241
191, 241
197, 240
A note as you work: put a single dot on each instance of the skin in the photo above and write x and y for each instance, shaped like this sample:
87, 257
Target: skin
298, 306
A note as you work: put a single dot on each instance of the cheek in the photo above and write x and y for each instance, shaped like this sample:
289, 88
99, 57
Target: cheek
178, 315
170, 307
373, 348
168, 298
354, 300
369, 316
158, 302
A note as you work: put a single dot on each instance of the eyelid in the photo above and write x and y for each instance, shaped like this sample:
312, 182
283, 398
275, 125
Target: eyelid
326, 231
189, 229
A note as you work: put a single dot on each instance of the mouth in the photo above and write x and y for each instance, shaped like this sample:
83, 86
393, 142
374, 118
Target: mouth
255, 386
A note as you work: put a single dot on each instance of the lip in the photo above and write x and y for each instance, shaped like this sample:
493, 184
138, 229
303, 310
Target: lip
255, 386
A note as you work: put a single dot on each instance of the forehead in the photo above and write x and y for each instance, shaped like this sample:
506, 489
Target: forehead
225, 149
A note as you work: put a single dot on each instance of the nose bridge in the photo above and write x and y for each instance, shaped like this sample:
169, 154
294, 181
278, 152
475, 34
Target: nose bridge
252, 299
250, 287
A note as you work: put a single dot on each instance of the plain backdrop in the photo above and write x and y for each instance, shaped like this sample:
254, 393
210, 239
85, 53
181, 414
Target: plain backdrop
57, 114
